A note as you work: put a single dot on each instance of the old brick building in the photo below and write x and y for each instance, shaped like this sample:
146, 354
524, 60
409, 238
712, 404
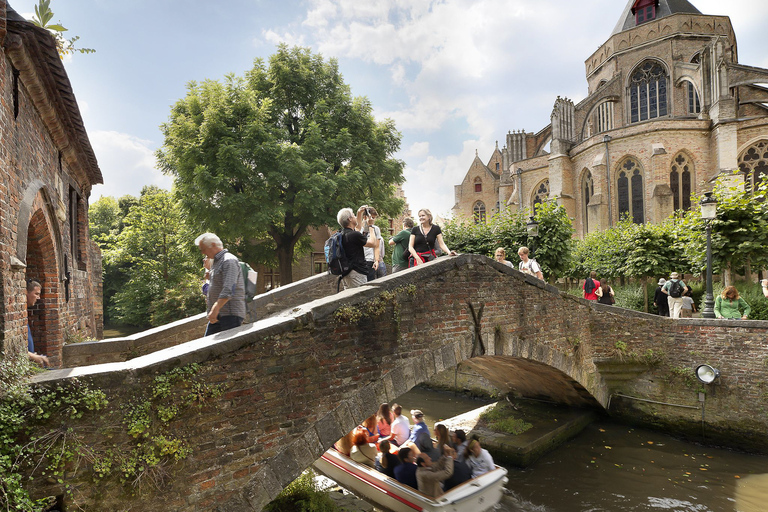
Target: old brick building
47, 170
669, 108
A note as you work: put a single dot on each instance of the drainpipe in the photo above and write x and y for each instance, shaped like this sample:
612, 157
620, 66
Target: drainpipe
607, 139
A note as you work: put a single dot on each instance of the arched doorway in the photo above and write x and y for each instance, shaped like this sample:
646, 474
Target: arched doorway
43, 317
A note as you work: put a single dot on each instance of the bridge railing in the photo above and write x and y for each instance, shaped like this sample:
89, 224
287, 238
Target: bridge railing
263, 306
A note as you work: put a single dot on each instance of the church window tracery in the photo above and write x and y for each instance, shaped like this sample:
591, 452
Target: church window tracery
754, 163
629, 186
604, 117
479, 212
541, 194
680, 182
648, 92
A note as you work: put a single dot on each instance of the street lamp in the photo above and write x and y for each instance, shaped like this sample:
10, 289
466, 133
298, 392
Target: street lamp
532, 227
709, 212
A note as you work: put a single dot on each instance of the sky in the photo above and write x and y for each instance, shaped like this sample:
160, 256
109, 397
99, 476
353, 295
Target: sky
454, 75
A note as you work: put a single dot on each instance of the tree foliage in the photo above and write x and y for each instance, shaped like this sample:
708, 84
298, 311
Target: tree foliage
508, 230
150, 263
262, 158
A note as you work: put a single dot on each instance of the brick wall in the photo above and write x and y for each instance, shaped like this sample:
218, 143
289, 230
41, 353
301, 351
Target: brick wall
295, 383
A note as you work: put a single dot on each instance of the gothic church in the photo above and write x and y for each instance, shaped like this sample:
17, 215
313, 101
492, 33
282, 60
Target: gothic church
669, 109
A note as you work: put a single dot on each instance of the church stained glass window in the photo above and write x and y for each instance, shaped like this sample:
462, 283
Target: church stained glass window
648, 92
754, 163
680, 182
541, 194
479, 212
629, 188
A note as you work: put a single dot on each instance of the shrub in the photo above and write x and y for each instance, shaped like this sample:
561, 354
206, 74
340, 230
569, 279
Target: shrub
302, 495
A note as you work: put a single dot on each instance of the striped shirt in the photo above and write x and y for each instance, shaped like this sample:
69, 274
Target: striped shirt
227, 283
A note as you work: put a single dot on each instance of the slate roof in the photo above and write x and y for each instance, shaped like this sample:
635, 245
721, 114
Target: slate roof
664, 8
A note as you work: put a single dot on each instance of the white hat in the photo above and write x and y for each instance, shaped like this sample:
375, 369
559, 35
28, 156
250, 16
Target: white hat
673, 275
662, 281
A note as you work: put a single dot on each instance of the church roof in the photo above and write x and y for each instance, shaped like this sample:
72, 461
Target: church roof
663, 8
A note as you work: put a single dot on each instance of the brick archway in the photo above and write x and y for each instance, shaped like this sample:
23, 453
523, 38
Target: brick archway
44, 318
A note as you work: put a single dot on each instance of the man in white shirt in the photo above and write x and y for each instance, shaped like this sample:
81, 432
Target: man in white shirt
381, 271
401, 427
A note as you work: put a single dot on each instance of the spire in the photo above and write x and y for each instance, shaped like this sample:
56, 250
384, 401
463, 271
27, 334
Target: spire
664, 8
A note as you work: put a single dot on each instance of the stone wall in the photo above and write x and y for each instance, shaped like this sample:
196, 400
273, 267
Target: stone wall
292, 384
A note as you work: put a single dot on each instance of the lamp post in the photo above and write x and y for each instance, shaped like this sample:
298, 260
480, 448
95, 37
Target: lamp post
532, 227
709, 212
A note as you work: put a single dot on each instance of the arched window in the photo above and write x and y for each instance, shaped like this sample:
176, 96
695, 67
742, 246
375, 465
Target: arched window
648, 92
478, 185
587, 191
541, 194
629, 186
754, 163
604, 117
694, 106
680, 182
479, 212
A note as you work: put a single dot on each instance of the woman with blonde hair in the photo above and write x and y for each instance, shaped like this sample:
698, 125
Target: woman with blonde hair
729, 305
424, 238
500, 255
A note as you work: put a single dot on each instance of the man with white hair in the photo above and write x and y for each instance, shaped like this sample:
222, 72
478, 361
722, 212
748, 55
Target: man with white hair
354, 242
226, 292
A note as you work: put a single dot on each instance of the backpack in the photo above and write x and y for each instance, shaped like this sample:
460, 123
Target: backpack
675, 289
249, 280
338, 263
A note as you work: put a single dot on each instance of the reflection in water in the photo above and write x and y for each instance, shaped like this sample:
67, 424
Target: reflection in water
615, 468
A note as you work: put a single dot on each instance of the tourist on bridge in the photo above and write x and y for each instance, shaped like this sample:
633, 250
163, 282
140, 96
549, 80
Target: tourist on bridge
689, 305
424, 239
729, 305
33, 295
660, 299
675, 288
479, 460
430, 474
764, 285
500, 255
353, 242
591, 287
400, 243
606, 294
226, 292
380, 270
528, 265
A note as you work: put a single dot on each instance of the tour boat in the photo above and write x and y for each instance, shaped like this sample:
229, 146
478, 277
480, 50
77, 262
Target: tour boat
475, 495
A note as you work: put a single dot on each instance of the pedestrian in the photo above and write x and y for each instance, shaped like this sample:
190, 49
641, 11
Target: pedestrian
400, 244
689, 306
353, 242
371, 255
500, 255
606, 294
591, 287
675, 288
660, 299
424, 239
764, 284
33, 295
225, 300
729, 305
528, 265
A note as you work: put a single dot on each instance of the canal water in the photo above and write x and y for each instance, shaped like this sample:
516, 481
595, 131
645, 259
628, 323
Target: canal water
615, 468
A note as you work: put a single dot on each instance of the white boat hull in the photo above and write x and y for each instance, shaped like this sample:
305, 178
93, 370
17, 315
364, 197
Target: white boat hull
476, 495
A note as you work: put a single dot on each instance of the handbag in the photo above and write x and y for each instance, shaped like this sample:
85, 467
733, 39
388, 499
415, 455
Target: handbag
425, 256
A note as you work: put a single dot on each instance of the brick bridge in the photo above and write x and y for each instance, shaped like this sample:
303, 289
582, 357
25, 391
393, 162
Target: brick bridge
294, 383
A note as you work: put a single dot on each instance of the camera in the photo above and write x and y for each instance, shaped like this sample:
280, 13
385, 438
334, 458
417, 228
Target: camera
368, 212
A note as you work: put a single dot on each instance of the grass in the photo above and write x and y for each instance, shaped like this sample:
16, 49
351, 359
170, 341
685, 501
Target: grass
500, 418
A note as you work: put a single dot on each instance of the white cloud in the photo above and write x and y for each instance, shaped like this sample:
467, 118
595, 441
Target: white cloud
418, 150
127, 164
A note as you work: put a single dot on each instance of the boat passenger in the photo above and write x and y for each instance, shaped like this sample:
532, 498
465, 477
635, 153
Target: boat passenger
420, 440
430, 474
479, 460
384, 421
363, 451
401, 427
387, 462
370, 428
405, 473
461, 443
443, 438
461, 473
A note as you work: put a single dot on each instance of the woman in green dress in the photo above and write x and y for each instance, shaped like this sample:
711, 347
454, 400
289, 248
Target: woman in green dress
729, 305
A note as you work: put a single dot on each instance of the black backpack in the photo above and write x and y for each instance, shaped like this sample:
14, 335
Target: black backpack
338, 263
675, 289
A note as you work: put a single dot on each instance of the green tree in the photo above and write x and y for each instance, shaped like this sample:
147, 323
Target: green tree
260, 159
151, 267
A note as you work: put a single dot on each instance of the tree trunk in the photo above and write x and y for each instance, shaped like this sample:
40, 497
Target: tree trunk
285, 262
727, 277
748, 270
645, 293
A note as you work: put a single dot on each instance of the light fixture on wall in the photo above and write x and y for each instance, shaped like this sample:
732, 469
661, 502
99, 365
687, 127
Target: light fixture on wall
706, 373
